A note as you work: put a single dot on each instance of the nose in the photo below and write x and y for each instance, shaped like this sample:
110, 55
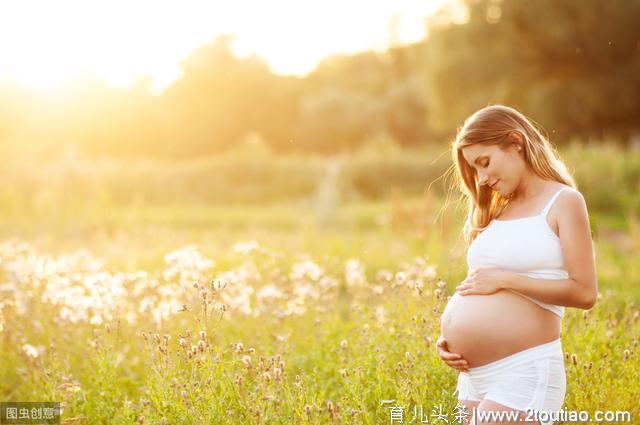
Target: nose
482, 179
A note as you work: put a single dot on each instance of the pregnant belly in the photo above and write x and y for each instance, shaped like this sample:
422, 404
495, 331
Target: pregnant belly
485, 328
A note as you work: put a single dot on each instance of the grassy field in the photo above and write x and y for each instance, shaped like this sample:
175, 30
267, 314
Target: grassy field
283, 312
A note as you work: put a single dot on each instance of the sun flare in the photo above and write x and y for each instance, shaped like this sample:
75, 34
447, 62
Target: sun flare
46, 44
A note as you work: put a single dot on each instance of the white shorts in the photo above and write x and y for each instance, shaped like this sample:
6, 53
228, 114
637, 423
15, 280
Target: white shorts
529, 379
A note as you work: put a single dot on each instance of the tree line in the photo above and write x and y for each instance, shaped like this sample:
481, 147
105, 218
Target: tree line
574, 67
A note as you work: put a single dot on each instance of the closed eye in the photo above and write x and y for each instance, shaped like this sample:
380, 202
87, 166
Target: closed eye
484, 165
480, 158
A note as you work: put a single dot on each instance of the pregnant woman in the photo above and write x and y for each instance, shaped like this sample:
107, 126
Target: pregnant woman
530, 254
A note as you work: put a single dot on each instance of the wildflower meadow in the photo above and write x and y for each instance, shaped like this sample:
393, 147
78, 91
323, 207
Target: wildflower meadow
287, 313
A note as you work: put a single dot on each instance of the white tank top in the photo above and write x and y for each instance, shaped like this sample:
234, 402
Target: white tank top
525, 246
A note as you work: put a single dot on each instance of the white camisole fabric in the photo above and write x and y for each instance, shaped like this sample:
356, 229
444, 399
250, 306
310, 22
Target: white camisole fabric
525, 246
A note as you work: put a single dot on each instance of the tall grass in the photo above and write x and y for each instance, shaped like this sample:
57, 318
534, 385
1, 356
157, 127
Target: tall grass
112, 294
292, 338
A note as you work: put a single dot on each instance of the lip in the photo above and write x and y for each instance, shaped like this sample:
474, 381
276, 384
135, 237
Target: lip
495, 185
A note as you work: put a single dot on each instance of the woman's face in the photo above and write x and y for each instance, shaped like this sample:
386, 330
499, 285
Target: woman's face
498, 169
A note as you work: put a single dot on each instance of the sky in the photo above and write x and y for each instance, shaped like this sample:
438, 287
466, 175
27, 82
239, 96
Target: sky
46, 43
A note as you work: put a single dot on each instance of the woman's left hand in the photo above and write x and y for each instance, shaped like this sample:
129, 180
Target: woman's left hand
483, 281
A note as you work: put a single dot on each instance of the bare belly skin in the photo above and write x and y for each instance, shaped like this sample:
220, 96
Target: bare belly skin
485, 328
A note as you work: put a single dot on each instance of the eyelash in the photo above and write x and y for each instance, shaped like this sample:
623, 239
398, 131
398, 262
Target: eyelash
485, 166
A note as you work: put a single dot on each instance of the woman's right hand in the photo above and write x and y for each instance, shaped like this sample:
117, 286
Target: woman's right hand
452, 359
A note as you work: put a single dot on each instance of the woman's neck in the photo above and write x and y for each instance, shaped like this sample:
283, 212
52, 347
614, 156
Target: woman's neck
529, 189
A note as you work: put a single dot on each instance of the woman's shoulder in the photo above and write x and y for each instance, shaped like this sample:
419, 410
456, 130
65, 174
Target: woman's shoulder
570, 200
568, 190
565, 190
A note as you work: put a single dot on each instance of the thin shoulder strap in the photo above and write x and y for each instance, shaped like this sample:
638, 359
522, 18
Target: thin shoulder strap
550, 203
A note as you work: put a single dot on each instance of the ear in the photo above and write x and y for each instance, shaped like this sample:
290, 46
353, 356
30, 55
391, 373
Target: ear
515, 137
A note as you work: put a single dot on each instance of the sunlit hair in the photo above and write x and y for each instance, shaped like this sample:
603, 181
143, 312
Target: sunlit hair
491, 126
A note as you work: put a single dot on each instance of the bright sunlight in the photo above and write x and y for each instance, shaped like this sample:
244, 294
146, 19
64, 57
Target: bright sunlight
45, 44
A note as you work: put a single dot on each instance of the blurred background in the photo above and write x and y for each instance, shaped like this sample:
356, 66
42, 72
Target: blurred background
142, 125
299, 151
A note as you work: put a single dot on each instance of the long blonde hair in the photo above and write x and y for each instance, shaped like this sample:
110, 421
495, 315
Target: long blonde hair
491, 125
